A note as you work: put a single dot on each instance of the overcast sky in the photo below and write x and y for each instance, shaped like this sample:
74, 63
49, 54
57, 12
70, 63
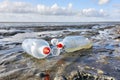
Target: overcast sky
59, 10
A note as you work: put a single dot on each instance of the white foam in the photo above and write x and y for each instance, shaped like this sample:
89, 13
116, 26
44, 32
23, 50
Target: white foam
21, 36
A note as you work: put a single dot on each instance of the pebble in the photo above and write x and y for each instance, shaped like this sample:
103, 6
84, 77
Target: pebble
87, 67
60, 78
100, 71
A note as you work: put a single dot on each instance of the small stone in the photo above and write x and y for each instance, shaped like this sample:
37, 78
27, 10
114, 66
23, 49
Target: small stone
60, 78
87, 67
41, 75
100, 71
111, 78
93, 68
73, 73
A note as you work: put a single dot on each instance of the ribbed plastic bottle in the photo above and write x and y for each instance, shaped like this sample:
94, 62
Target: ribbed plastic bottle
74, 43
38, 48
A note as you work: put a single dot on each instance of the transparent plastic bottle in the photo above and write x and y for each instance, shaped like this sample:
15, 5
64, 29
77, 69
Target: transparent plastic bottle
38, 48
54, 50
54, 41
74, 43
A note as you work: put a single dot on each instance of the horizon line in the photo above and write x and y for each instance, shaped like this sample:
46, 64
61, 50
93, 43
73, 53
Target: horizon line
52, 22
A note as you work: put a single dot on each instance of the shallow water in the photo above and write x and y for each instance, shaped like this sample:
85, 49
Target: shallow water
103, 57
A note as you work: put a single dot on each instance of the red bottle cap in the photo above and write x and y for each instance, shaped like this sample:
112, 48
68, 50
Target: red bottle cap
60, 45
46, 50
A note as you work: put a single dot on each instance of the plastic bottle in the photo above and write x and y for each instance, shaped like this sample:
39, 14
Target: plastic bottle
54, 50
36, 47
74, 43
54, 41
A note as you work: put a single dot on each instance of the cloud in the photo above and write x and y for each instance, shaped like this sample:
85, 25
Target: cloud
22, 7
16, 7
116, 5
103, 2
55, 10
91, 12
116, 11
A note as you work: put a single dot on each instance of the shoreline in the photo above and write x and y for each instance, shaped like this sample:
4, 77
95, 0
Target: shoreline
102, 59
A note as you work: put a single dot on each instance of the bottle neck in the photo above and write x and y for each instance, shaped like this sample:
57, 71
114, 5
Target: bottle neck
60, 45
45, 50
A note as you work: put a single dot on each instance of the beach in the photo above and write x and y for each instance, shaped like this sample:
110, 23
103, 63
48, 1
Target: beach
102, 61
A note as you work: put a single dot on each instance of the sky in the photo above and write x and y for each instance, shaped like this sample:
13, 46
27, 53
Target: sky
59, 10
